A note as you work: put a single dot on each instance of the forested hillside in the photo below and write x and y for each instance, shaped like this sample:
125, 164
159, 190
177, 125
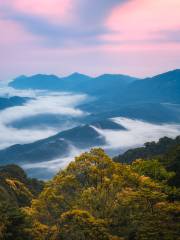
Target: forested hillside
95, 198
149, 150
166, 150
16, 192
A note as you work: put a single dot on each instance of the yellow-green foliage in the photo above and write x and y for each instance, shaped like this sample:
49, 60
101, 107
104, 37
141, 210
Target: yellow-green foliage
96, 198
16, 187
79, 224
16, 191
21, 192
152, 168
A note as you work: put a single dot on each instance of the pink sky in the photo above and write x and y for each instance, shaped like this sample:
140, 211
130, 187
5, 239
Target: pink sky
52, 10
144, 20
135, 37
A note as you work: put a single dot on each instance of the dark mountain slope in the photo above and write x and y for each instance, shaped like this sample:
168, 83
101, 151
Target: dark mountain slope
12, 101
161, 88
108, 124
59, 145
108, 85
150, 150
76, 82
42, 150
151, 112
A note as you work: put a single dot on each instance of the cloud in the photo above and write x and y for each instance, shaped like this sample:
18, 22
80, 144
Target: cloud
145, 22
58, 104
138, 132
55, 164
95, 12
46, 170
6, 91
49, 10
117, 141
63, 105
13, 136
60, 36
59, 22
52, 10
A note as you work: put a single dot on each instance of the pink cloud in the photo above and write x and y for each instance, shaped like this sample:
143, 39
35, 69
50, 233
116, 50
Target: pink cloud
52, 10
132, 45
143, 20
13, 34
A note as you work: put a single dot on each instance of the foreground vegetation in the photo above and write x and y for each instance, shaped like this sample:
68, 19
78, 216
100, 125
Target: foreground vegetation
94, 198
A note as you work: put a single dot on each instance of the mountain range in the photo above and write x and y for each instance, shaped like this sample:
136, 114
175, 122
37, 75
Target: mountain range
76, 82
155, 100
161, 88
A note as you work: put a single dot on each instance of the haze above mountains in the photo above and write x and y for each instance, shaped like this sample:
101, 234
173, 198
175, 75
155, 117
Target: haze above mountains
71, 114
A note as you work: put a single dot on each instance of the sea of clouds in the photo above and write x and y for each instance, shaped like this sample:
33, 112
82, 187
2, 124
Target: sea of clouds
61, 105
138, 132
65, 106
117, 141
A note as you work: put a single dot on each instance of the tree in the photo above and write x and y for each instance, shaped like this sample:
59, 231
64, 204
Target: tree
96, 198
12, 223
81, 225
153, 169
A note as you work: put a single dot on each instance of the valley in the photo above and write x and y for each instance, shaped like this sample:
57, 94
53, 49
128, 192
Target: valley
63, 117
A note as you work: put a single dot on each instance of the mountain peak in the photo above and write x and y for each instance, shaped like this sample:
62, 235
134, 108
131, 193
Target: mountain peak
116, 77
76, 76
20, 77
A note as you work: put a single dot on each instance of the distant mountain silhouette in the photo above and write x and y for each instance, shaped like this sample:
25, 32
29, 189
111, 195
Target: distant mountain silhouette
110, 87
39, 81
76, 82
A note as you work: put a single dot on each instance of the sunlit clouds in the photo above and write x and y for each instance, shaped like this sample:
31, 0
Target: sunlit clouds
53, 10
135, 37
145, 22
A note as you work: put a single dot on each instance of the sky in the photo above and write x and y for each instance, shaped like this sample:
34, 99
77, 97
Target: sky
135, 37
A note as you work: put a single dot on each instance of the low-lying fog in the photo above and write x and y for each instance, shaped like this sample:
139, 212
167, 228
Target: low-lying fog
117, 141
21, 124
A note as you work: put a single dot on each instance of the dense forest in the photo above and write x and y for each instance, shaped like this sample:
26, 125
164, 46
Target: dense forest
132, 197
166, 151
